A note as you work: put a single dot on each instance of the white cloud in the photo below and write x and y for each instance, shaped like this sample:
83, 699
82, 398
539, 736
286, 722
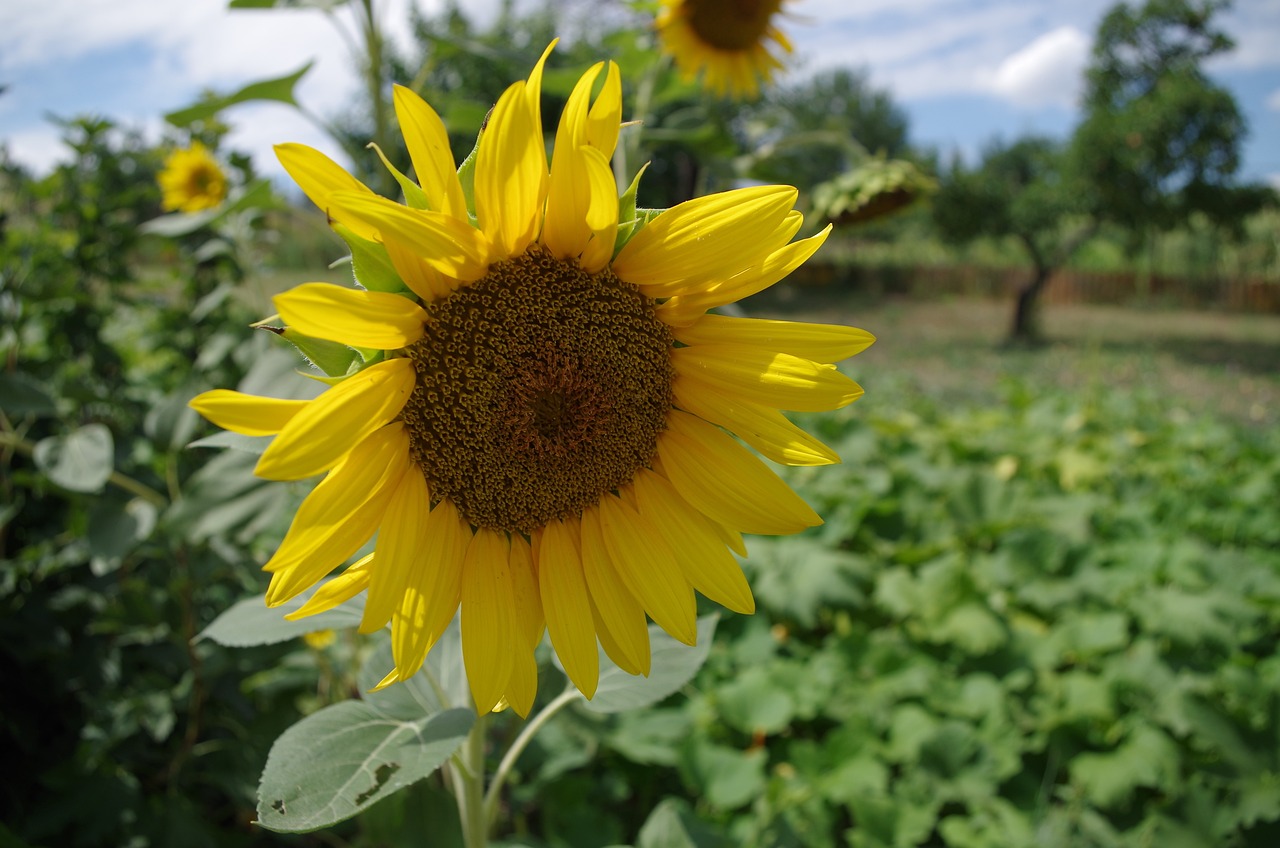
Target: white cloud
39, 148
190, 46
1047, 72
1273, 102
1255, 27
931, 48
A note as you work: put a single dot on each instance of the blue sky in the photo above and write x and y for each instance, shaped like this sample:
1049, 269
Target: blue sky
965, 71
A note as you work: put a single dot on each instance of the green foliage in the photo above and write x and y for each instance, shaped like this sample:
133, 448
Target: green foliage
1051, 622
123, 730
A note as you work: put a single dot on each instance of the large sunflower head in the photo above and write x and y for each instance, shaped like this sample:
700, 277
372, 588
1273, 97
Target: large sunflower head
537, 419
734, 44
191, 180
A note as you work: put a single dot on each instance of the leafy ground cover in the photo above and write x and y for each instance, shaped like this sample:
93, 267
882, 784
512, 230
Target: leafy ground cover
1043, 611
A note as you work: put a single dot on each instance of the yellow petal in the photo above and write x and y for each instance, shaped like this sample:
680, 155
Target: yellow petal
318, 436
522, 685
567, 605
522, 688
351, 316
686, 308
705, 239
524, 581
723, 480
339, 515
728, 535
488, 615
565, 231
582, 209
620, 622
700, 552
602, 210
329, 506
819, 342
433, 590
423, 280
337, 591
319, 177
401, 539
428, 143
533, 87
765, 429
451, 246
248, 415
511, 175
779, 380
605, 118
649, 569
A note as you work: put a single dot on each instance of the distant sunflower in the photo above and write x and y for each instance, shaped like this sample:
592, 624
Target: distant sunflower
191, 180
734, 44
537, 434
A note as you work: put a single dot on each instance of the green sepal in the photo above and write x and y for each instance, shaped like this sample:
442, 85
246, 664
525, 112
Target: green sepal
334, 359
370, 264
365, 357
467, 173
631, 220
414, 196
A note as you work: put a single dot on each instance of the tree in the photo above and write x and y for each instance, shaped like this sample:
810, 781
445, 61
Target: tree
1160, 141
1021, 191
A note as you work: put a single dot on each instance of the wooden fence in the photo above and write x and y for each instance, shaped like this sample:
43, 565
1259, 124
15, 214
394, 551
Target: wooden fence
1066, 286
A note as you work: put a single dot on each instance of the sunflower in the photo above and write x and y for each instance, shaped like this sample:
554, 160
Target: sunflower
191, 180
733, 43
536, 424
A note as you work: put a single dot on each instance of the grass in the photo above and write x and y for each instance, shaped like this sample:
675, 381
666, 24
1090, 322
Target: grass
952, 350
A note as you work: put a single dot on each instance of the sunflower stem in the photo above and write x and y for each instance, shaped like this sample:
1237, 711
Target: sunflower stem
521, 742
469, 786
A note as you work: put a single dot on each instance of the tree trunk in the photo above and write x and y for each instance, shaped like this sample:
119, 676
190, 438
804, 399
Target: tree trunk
1026, 326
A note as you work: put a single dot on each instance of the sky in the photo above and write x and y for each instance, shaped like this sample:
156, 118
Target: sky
966, 72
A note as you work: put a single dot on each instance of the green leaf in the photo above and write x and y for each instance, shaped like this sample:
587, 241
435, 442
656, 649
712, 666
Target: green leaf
414, 196
971, 627
753, 702
416, 696
279, 89
1147, 758
798, 578
235, 441
81, 461
251, 622
370, 263
20, 396
333, 358
115, 528
650, 737
171, 422
255, 195
673, 665
467, 175
338, 761
672, 824
664, 828
726, 777
325, 5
